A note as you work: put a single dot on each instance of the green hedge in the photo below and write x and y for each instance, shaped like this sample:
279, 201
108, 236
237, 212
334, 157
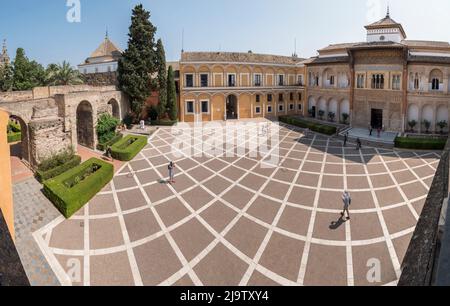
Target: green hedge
124, 151
14, 137
164, 122
420, 143
316, 127
104, 146
68, 200
42, 176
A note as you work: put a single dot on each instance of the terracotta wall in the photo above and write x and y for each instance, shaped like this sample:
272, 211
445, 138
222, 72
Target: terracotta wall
6, 202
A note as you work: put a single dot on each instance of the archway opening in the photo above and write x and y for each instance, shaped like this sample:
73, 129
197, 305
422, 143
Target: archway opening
18, 138
232, 107
115, 109
85, 125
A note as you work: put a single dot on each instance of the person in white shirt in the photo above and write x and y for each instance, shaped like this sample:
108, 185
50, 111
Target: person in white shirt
347, 199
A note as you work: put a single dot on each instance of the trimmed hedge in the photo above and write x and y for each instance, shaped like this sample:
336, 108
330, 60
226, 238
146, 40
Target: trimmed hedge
68, 200
420, 143
316, 127
104, 146
127, 148
42, 176
164, 122
14, 137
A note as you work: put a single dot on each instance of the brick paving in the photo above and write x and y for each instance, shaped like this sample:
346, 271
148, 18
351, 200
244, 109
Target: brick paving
230, 221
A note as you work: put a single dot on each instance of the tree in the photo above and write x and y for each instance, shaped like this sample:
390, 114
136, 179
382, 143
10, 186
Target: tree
412, 124
6, 77
138, 62
62, 74
162, 79
442, 125
427, 125
106, 127
27, 74
172, 104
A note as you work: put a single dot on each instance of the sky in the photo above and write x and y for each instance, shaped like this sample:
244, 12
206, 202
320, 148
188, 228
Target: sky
41, 27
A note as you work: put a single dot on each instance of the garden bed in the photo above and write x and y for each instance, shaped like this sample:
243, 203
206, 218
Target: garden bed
70, 191
128, 147
316, 127
420, 143
43, 175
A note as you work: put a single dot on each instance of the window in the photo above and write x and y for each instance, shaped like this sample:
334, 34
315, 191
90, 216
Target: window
280, 108
258, 98
280, 80
258, 80
109, 69
96, 70
300, 96
280, 97
360, 81
416, 81
269, 98
189, 107
300, 80
269, 109
299, 106
205, 107
435, 84
291, 107
316, 81
291, 96
204, 80
231, 80
396, 81
377, 81
258, 110
331, 80
189, 80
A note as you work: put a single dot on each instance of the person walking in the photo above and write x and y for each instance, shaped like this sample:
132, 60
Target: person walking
358, 144
347, 200
345, 139
171, 168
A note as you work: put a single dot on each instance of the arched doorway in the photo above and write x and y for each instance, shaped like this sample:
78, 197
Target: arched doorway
312, 107
115, 109
85, 125
19, 138
232, 107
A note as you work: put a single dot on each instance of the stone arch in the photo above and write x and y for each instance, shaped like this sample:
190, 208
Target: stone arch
85, 124
442, 114
413, 113
322, 105
344, 108
428, 115
22, 149
333, 106
115, 108
436, 79
311, 103
232, 107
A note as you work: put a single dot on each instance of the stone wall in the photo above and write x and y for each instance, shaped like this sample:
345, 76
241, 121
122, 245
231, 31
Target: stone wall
101, 79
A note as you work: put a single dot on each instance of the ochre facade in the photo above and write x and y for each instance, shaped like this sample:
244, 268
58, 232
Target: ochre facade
6, 201
226, 86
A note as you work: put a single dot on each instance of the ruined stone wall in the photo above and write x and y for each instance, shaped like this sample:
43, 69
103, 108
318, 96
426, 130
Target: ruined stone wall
101, 79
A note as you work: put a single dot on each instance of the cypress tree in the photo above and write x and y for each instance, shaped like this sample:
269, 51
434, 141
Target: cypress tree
162, 79
138, 63
172, 104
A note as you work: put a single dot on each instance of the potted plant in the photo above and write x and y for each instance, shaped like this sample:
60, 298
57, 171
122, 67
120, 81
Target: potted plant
345, 117
442, 125
331, 116
412, 124
427, 125
321, 114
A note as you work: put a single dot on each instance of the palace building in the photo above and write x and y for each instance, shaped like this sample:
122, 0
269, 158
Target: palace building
104, 59
386, 81
224, 86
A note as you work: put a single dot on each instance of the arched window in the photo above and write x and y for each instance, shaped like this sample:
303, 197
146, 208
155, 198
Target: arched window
416, 81
435, 84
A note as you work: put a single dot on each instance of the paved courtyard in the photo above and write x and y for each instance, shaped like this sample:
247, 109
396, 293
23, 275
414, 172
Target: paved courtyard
230, 221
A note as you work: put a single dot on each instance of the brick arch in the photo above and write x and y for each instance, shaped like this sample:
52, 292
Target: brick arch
85, 124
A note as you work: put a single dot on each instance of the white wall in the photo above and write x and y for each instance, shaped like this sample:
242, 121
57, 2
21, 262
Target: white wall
98, 68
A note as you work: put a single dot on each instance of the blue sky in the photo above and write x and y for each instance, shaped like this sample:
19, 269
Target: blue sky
263, 26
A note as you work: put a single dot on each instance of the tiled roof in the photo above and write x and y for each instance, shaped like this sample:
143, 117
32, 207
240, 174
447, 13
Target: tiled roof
426, 43
330, 60
338, 46
106, 49
235, 57
429, 59
386, 22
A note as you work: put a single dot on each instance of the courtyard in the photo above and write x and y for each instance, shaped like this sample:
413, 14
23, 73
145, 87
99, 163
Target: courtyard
232, 221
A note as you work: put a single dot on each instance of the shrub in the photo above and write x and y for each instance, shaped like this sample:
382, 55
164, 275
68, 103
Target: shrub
106, 127
420, 143
345, 117
129, 119
13, 127
412, 124
14, 137
153, 113
127, 148
56, 160
319, 128
111, 142
42, 176
70, 191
